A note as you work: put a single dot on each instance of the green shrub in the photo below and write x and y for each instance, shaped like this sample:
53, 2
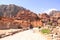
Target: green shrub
45, 31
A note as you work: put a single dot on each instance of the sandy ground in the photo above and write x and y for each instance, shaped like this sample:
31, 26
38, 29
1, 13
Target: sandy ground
25, 35
8, 30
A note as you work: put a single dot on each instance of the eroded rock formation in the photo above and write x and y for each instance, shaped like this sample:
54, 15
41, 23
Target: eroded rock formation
12, 16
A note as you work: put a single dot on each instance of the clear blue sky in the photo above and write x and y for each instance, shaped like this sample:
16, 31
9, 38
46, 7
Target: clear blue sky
35, 5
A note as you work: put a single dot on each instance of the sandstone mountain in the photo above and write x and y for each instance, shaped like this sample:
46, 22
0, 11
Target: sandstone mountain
9, 10
27, 15
55, 13
12, 10
12, 16
55, 17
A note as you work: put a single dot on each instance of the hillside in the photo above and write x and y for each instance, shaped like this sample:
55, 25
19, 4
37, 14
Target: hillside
9, 10
13, 16
12, 11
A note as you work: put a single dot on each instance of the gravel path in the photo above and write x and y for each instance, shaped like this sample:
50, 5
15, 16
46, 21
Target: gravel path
25, 35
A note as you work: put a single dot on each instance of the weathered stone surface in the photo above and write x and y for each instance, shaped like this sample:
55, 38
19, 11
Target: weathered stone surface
9, 10
27, 15
44, 17
54, 17
55, 14
37, 23
12, 16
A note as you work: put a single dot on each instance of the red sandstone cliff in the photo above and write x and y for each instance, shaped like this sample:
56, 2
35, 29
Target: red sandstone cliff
12, 16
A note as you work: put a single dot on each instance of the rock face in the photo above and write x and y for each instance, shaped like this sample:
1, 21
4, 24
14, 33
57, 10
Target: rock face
44, 18
9, 10
52, 19
27, 15
55, 14
12, 16
55, 17
37, 23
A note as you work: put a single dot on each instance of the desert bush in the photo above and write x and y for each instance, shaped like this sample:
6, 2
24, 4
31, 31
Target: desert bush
45, 31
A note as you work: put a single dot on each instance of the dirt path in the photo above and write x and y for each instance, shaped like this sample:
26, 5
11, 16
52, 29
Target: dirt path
25, 35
